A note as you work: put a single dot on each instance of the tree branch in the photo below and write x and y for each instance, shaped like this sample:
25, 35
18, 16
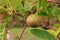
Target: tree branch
22, 32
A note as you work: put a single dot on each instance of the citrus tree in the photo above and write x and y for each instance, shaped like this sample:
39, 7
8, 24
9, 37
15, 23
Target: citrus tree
43, 14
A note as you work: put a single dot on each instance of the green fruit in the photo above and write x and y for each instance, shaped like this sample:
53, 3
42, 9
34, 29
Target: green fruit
33, 20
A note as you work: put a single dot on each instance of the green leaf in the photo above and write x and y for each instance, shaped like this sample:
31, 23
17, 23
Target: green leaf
17, 4
7, 19
42, 34
59, 19
58, 31
57, 25
44, 5
41, 13
53, 11
29, 4
1, 27
5, 2
53, 32
5, 32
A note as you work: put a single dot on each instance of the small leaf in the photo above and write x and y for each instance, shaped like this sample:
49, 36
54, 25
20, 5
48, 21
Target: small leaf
58, 31
41, 13
42, 34
44, 5
57, 25
59, 19
17, 4
29, 4
53, 32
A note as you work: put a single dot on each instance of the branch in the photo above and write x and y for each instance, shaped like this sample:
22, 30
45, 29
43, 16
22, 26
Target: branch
22, 32
58, 36
20, 15
54, 2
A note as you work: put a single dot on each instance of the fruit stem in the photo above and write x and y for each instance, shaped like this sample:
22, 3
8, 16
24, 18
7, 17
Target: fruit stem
22, 32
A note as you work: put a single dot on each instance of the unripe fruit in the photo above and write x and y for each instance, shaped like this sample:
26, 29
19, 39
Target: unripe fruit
33, 20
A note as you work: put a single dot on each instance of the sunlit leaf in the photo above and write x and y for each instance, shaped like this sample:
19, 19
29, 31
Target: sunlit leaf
58, 31
53, 32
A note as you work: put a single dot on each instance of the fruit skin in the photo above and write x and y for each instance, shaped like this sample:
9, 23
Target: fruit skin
33, 20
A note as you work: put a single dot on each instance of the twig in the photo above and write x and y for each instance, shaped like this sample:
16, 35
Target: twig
58, 36
54, 2
20, 15
22, 32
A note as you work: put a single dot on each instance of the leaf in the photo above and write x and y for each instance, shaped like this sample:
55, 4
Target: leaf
1, 28
29, 4
59, 19
53, 32
57, 25
42, 34
17, 4
0, 2
5, 2
43, 4
58, 31
41, 13
53, 11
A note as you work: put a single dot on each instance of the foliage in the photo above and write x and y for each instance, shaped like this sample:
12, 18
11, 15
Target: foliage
16, 11
42, 34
